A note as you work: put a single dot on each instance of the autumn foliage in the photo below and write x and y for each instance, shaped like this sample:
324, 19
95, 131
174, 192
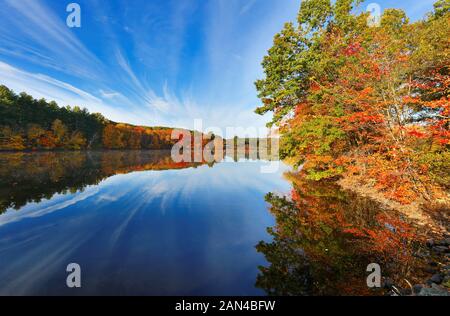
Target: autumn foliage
124, 136
325, 237
30, 124
369, 102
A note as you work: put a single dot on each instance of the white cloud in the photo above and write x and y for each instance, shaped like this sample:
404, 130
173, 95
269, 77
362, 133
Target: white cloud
34, 23
247, 6
122, 85
42, 86
108, 94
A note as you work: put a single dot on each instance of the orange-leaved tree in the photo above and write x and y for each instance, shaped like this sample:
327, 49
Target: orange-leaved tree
371, 102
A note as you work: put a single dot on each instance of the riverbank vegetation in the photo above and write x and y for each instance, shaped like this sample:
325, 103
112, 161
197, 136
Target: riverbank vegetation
364, 102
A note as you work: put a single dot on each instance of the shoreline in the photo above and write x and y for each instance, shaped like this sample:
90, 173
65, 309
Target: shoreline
418, 211
436, 249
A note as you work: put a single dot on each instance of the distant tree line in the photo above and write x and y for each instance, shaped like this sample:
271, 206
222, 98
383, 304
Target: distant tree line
30, 124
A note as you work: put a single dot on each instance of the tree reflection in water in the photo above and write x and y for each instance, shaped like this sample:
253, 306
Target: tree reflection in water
31, 177
324, 238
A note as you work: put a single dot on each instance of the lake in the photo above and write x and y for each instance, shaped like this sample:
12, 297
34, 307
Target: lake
135, 222
139, 224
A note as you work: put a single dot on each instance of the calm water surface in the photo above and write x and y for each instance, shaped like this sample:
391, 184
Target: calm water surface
135, 222
139, 224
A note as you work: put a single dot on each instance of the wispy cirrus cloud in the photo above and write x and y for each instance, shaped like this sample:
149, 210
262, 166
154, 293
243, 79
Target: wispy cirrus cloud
148, 62
42, 86
109, 94
47, 35
247, 6
149, 73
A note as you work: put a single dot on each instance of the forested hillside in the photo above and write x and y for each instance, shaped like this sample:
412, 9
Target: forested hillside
27, 123
364, 102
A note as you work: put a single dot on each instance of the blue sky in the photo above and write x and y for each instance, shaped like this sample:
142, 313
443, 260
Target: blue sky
149, 62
